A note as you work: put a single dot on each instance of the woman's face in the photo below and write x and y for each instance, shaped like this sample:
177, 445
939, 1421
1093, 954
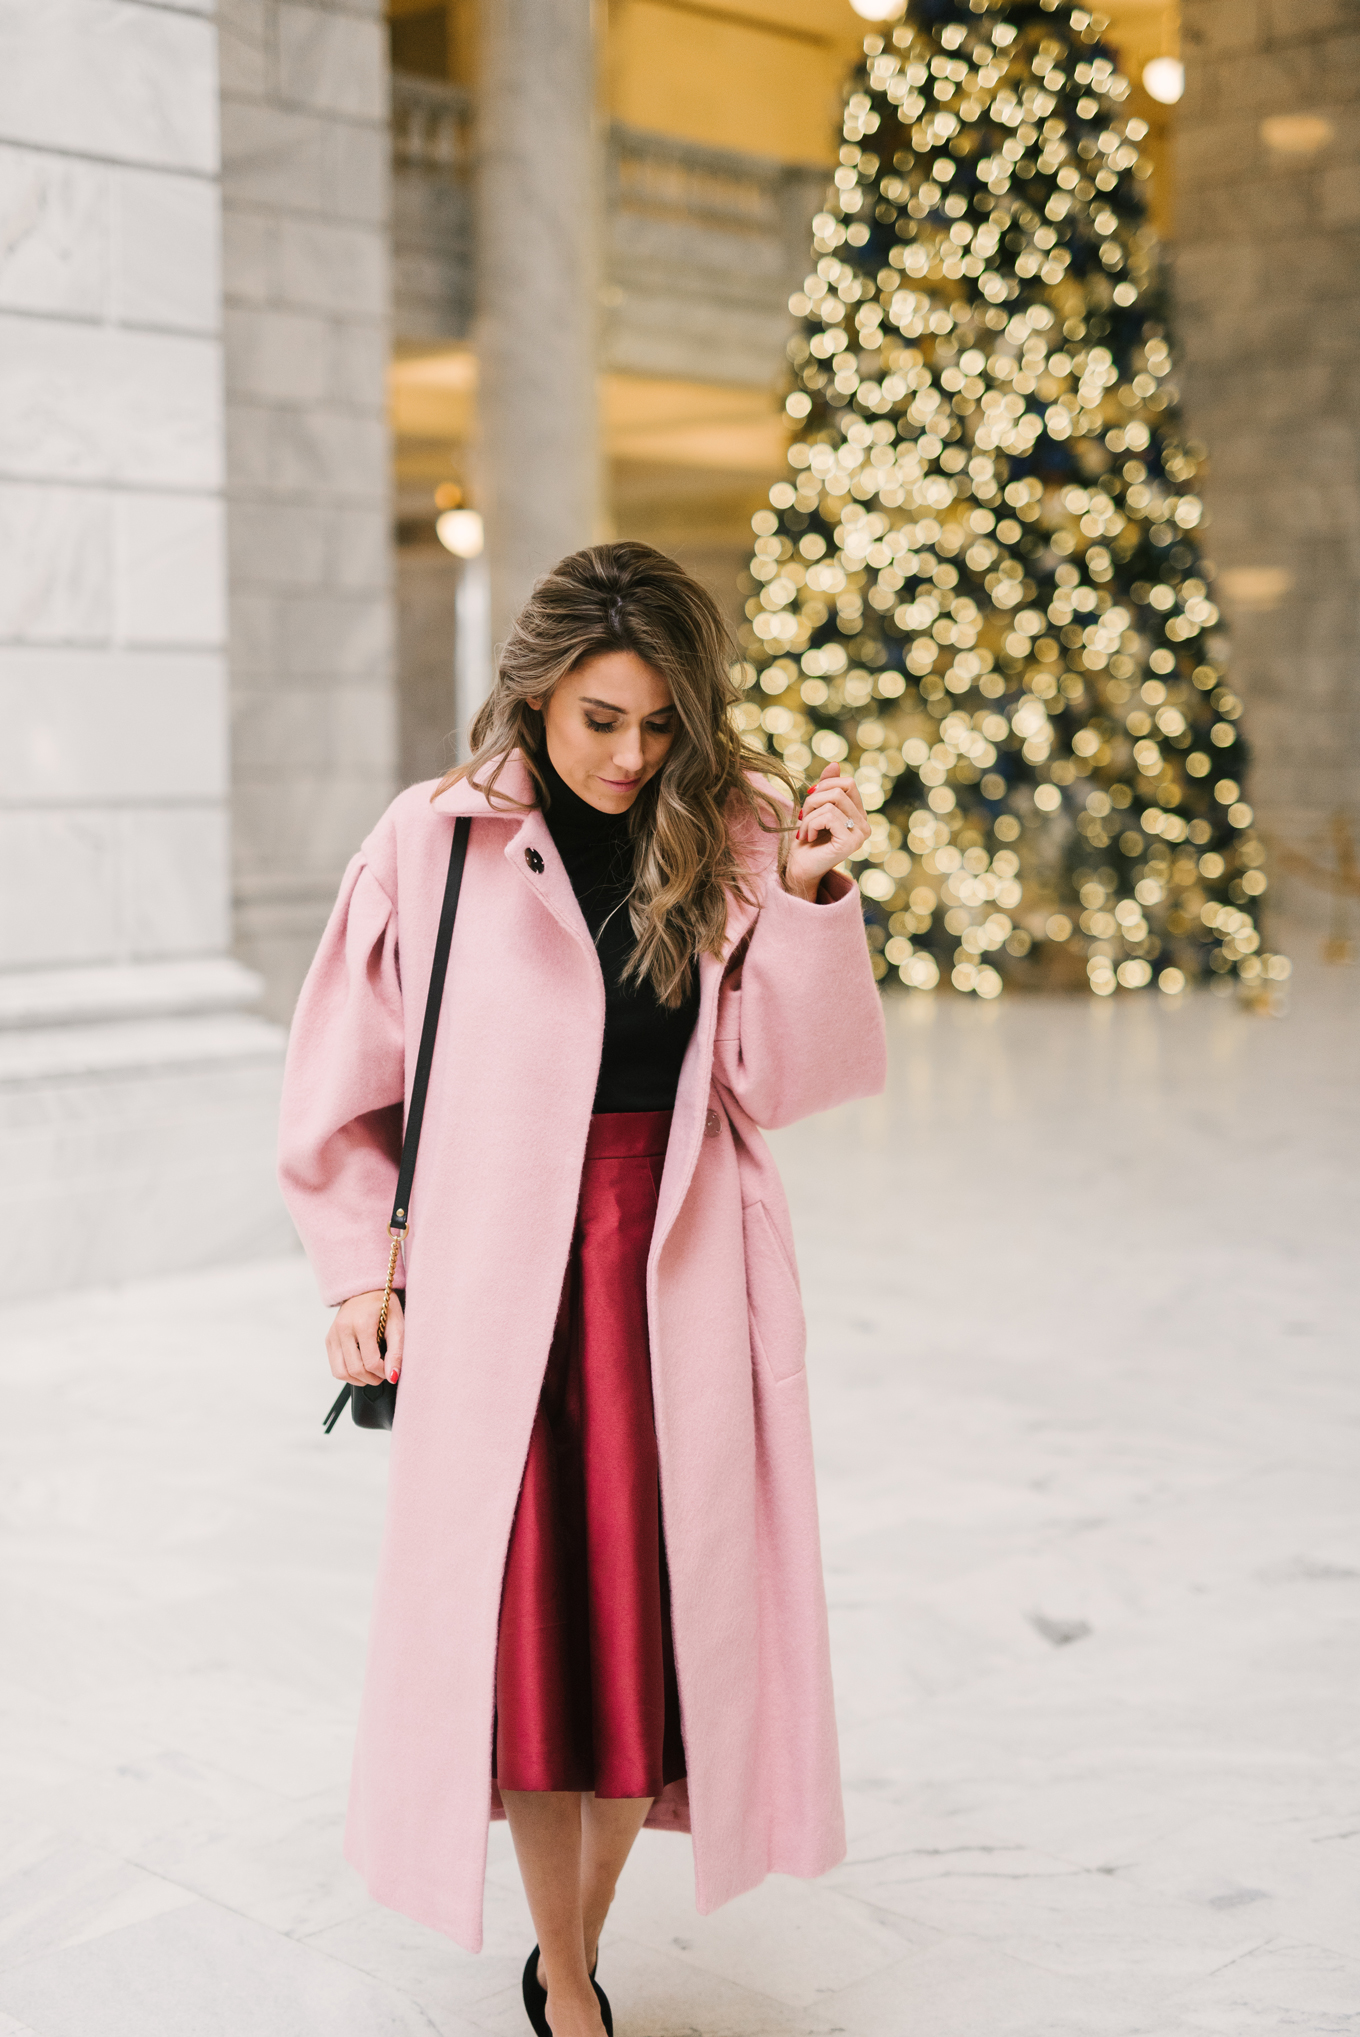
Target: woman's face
609, 725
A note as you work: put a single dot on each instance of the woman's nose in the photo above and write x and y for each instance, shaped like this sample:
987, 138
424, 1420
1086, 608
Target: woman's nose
628, 755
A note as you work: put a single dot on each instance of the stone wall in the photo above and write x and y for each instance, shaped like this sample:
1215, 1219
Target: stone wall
1268, 282
432, 272
306, 201
704, 248
136, 1095
427, 628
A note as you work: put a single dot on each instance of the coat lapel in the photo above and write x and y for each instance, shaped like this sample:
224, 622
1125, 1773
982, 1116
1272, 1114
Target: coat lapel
530, 850
532, 854
694, 1095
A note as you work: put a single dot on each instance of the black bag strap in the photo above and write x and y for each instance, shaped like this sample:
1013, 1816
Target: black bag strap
420, 1083
453, 884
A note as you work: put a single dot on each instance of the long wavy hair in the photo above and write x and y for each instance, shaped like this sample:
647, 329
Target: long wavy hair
628, 597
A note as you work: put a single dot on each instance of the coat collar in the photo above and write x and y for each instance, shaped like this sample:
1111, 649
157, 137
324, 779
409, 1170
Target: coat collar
531, 837
514, 785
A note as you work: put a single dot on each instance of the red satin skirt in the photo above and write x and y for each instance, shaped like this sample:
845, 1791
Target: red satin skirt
585, 1674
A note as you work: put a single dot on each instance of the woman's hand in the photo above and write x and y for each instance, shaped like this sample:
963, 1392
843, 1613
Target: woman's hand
831, 826
352, 1339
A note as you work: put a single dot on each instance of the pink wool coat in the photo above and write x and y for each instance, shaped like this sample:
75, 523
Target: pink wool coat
789, 1022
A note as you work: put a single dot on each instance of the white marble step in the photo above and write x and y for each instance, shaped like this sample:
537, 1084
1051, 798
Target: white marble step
131, 990
61, 1024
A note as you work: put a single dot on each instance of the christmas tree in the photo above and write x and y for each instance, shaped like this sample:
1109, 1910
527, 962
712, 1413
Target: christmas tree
981, 584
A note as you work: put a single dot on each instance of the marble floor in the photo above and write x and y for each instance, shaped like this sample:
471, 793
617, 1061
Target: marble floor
1083, 1295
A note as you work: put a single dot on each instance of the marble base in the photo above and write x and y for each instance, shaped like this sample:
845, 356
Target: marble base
138, 1112
1082, 1291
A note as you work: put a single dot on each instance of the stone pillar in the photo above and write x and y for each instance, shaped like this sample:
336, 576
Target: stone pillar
1268, 286
427, 610
137, 1097
305, 196
538, 195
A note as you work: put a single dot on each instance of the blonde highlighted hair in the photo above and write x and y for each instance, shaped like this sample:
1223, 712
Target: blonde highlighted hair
628, 597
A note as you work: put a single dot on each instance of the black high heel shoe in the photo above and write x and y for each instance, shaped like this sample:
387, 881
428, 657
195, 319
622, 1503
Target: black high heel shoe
536, 1999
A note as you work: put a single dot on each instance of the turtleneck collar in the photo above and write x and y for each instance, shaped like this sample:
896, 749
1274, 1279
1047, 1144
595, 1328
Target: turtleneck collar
568, 814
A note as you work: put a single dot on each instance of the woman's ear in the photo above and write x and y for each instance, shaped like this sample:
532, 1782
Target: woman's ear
535, 701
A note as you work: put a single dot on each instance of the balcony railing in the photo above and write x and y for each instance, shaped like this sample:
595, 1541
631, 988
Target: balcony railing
431, 126
687, 183
702, 245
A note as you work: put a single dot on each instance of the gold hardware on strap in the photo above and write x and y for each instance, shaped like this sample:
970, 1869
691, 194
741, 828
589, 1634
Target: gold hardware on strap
397, 1236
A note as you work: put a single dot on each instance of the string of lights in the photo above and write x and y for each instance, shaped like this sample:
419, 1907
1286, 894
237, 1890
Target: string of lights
980, 585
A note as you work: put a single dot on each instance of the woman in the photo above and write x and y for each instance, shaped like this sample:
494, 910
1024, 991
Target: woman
599, 1596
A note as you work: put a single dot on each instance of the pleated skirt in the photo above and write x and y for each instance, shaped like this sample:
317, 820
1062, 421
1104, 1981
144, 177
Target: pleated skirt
586, 1695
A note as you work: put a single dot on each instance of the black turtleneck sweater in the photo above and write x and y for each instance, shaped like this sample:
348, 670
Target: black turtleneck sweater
644, 1043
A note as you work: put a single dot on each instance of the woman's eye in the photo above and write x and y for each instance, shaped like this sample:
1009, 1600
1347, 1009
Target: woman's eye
659, 728
601, 728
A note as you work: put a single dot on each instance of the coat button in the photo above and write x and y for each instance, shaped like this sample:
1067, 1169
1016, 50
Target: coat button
534, 860
712, 1124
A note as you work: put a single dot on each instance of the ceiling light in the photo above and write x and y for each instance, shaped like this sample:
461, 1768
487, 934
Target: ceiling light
876, 10
1164, 79
460, 531
1258, 588
1296, 134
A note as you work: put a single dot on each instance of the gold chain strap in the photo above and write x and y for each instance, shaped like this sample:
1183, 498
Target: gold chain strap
397, 1234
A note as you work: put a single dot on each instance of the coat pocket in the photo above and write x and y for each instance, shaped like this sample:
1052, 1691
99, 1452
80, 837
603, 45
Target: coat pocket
728, 1025
774, 1305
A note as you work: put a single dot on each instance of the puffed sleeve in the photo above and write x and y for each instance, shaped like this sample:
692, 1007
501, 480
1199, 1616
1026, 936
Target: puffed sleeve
343, 1086
800, 1020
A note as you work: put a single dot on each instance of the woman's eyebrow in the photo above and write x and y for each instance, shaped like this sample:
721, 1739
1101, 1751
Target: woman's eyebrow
608, 705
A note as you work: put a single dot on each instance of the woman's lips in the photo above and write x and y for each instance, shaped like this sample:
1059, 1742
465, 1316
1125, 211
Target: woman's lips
620, 784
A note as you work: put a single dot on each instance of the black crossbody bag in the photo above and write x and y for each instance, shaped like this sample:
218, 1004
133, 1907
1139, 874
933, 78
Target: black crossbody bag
374, 1406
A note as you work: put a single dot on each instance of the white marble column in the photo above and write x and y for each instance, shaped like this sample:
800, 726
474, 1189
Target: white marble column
136, 1094
1268, 297
538, 195
306, 190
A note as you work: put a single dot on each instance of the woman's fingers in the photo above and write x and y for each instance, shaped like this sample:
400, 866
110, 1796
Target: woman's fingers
833, 784
832, 808
832, 824
835, 799
856, 800
348, 1364
333, 1357
356, 1369
816, 793
370, 1357
840, 788
395, 1338
352, 1341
